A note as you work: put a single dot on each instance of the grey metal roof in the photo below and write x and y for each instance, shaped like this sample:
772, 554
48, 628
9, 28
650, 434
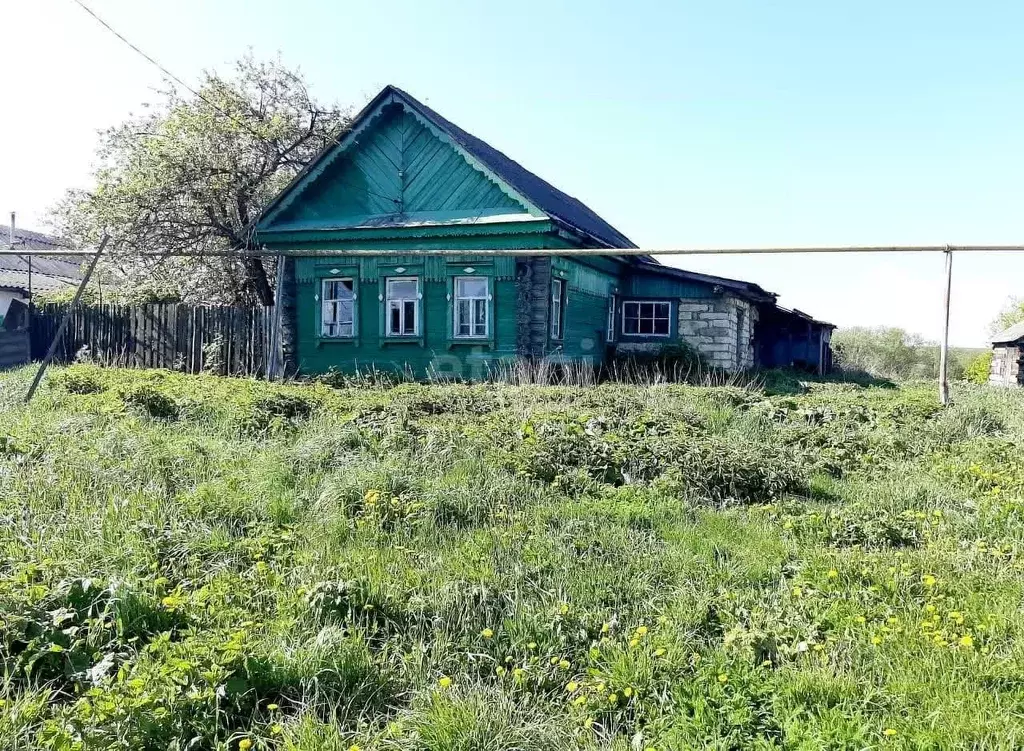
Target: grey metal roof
1012, 334
48, 272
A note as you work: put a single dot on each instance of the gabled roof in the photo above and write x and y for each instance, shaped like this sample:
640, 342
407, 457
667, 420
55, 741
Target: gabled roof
560, 207
748, 290
1012, 334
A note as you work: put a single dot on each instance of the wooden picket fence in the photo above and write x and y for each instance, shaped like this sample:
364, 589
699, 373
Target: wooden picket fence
190, 338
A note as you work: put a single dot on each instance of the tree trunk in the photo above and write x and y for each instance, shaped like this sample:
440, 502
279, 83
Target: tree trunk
257, 279
289, 320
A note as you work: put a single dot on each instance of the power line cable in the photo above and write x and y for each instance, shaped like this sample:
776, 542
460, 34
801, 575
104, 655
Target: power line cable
241, 123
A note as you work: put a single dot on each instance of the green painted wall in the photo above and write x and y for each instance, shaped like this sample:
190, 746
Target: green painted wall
435, 351
665, 287
397, 167
590, 285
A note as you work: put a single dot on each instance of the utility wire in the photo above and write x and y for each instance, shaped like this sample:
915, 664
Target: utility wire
241, 123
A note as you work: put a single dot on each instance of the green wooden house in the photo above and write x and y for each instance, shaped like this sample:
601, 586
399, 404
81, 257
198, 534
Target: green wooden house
404, 181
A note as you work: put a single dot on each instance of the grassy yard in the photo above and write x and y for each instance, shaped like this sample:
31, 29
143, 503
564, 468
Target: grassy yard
200, 563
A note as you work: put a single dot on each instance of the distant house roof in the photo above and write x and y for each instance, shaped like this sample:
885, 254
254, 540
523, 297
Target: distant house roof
1012, 334
560, 207
49, 273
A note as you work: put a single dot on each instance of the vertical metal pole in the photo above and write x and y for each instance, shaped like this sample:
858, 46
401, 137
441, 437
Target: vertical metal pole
944, 349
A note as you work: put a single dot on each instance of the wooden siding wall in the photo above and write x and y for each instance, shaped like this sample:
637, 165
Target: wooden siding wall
399, 165
193, 339
14, 348
586, 311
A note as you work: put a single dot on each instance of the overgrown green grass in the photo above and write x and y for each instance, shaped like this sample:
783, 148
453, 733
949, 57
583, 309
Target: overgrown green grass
194, 562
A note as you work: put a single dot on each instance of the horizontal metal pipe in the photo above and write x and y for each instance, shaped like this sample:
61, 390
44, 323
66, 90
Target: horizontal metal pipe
330, 253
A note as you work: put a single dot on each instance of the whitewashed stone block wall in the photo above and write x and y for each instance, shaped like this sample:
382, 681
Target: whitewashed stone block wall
721, 329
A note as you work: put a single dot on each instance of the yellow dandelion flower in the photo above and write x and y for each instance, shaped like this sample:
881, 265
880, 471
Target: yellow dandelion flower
487, 633
928, 580
564, 608
272, 707
723, 678
966, 640
445, 682
605, 628
641, 631
244, 745
354, 747
833, 574
797, 591
532, 645
371, 497
588, 723
861, 619
500, 670
634, 642
890, 732
876, 639
613, 698
553, 660
627, 691
571, 686
563, 664
579, 701
659, 652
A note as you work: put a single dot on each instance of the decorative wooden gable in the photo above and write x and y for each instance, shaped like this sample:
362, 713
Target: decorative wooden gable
395, 169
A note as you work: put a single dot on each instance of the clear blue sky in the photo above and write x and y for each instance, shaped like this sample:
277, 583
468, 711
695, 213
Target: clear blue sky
684, 124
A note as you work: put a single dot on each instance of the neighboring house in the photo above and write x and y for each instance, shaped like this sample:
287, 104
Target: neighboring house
405, 180
21, 276
1007, 357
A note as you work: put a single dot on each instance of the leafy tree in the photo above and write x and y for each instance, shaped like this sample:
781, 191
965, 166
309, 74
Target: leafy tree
891, 353
192, 174
978, 368
1012, 312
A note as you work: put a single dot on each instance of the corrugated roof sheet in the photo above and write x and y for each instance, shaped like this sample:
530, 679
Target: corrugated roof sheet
1012, 334
48, 272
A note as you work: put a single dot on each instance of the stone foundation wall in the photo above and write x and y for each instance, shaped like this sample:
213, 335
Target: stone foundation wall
721, 329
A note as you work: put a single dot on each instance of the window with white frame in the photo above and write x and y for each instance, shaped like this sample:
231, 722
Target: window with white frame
402, 306
609, 334
643, 318
470, 308
337, 308
557, 307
